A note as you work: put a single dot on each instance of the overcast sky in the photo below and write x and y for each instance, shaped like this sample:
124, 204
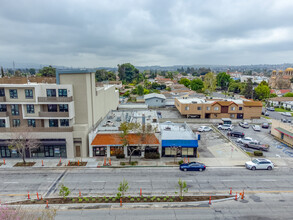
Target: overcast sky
94, 33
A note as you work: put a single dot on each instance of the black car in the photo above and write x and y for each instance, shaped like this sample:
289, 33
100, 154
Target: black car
265, 125
236, 134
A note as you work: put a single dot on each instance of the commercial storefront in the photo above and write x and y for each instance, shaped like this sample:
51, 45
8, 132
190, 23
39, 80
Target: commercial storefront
47, 148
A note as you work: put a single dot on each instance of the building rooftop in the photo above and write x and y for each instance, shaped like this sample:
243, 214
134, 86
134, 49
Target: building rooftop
154, 95
176, 131
221, 101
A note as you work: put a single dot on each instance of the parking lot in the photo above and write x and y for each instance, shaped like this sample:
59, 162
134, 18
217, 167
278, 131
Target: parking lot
277, 149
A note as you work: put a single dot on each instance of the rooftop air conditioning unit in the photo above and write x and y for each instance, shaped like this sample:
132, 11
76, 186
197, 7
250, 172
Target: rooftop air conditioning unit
194, 102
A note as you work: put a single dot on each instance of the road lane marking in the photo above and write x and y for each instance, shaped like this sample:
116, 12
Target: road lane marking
98, 181
230, 180
10, 182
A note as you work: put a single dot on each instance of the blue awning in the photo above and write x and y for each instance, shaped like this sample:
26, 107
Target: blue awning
180, 143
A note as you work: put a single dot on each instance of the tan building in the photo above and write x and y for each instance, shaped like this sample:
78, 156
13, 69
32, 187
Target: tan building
282, 132
280, 79
211, 108
59, 114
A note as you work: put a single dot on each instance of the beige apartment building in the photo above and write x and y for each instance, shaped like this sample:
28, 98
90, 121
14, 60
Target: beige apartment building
282, 132
60, 115
216, 108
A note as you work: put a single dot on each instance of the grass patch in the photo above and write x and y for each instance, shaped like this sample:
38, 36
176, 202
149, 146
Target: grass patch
27, 164
250, 154
281, 110
266, 117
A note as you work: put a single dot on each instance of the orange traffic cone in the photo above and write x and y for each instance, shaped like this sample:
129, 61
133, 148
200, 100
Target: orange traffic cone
105, 162
110, 161
236, 197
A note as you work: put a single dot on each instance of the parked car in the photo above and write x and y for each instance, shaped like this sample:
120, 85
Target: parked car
236, 134
265, 125
288, 114
226, 127
271, 109
256, 127
204, 128
243, 124
256, 145
241, 140
289, 120
258, 164
193, 166
284, 120
247, 141
267, 114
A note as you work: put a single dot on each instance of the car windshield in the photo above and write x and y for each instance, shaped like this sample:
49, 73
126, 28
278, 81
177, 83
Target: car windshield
254, 161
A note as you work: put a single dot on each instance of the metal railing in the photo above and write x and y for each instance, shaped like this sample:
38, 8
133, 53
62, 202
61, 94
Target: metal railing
55, 99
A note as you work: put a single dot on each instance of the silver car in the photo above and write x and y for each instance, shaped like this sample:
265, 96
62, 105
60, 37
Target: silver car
259, 164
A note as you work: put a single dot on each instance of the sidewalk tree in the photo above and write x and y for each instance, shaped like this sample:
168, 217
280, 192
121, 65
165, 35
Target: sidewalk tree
23, 141
123, 187
182, 186
210, 83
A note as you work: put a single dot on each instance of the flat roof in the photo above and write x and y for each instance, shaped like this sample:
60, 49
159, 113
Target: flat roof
176, 131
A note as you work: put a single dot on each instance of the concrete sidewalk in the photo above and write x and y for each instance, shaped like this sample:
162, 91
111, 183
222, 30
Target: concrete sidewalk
163, 162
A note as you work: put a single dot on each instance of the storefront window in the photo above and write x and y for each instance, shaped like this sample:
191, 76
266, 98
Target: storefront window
100, 151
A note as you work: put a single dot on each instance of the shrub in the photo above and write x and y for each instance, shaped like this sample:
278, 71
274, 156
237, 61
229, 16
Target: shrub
158, 199
100, 200
152, 155
93, 200
110, 198
122, 163
104, 197
171, 200
149, 197
138, 199
80, 200
120, 156
84, 198
106, 200
73, 200
118, 195
129, 197
258, 153
64, 191
180, 162
113, 200
145, 199
132, 199
165, 199
133, 163
173, 197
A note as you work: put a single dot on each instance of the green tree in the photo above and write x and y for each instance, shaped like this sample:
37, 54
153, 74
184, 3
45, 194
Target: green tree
223, 80
289, 94
32, 71
104, 75
48, 71
64, 191
128, 72
262, 92
2, 72
140, 90
196, 85
248, 89
236, 86
123, 187
185, 82
182, 188
210, 82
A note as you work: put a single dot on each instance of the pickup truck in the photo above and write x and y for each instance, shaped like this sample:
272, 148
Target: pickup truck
256, 145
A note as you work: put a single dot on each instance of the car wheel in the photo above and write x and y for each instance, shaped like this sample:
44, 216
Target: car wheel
185, 169
200, 170
269, 168
253, 168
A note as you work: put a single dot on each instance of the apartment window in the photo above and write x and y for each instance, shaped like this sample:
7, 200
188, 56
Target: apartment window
208, 108
64, 122
16, 122
14, 110
232, 108
13, 93
198, 108
52, 108
240, 108
187, 108
62, 92
63, 108
3, 108
216, 108
31, 123
30, 109
51, 92
53, 122
2, 92
2, 123
29, 94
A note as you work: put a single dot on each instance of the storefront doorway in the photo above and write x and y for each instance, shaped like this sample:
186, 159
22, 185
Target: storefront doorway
5, 152
100, 151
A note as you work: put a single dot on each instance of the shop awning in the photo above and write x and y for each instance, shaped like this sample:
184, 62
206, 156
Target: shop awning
116, 140
285, 132
180, 143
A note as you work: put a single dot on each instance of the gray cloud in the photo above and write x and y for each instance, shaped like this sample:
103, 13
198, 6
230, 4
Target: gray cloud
90, 33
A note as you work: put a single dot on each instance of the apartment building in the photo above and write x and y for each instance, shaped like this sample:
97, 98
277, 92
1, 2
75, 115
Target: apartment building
60, 115
217, 108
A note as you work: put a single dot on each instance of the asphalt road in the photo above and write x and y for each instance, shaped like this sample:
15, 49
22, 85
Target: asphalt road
276, 115
269, 193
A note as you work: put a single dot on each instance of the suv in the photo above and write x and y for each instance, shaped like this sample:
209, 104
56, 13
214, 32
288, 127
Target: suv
244, 124
271, 109
236, 134
225, 127
256, 145
259, 164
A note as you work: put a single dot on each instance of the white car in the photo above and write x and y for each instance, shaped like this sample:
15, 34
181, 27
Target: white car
256, 127
288, 114
204, 128
241, 140
226, 127
259, 164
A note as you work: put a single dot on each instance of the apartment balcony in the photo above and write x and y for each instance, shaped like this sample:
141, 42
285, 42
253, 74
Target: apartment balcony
37, 129
2, 99
4, 114
54, 114
55, 99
